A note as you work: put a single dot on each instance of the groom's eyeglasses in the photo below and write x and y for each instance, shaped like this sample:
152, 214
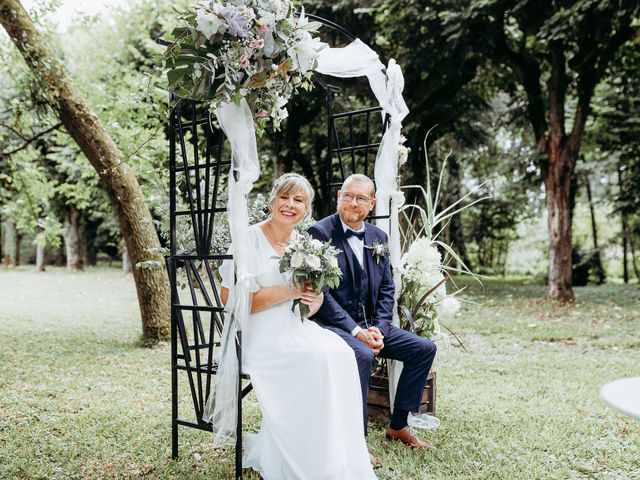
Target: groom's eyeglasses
348, 197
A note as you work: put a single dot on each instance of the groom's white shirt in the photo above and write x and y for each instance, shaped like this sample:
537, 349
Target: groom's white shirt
357, 246
355, 243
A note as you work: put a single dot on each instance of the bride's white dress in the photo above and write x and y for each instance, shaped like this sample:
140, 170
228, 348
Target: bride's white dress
307, 384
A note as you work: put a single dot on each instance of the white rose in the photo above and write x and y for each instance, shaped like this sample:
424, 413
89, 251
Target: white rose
333, 261
209, 23
313, 261
296, 260
315, 243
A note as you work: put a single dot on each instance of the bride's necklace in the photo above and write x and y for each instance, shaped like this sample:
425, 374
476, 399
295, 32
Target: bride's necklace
273, 237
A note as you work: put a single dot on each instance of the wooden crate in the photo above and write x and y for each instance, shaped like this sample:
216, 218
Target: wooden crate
378, 405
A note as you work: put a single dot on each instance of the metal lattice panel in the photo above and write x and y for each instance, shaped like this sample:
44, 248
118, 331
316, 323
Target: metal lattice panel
353, 139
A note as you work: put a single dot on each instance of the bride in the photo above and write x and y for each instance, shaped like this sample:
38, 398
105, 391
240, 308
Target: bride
305, 377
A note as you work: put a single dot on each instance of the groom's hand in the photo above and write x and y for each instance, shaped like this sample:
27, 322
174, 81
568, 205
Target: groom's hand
375, 331
369, 339
378, 339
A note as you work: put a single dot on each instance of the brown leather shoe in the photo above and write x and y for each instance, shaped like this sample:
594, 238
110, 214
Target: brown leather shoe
408, 436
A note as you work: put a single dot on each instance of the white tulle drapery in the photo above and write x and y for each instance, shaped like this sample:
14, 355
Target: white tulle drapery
354, 60
221, 407
389, 196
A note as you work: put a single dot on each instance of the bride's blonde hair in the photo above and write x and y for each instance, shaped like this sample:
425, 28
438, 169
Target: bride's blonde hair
289, 184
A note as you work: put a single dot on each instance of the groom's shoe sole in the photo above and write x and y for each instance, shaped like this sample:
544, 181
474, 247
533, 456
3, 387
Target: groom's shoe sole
407, 437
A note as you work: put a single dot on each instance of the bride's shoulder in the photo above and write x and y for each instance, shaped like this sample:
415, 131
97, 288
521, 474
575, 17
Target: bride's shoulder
255, 231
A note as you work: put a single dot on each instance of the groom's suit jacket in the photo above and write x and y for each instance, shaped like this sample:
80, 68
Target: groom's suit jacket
341, 307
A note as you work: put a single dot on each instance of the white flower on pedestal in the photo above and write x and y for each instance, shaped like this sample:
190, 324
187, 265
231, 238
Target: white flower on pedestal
448, 307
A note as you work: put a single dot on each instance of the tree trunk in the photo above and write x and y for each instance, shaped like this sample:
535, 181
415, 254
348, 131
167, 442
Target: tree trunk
116, 177
88, 231
278, 165
9, 243
625, 268
126, 264
59, 258
594, 231
71, 236
89, 255
505, 252
40, 258
16, 261
632, 249
558, 192
625, 240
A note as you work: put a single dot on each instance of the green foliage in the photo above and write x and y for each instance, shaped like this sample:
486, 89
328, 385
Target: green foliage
117, 76
458, 72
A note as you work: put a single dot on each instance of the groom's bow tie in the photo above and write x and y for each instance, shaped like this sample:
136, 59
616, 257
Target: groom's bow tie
351, 233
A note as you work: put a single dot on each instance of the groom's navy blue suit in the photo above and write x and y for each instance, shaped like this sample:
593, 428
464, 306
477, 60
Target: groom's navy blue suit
365, 298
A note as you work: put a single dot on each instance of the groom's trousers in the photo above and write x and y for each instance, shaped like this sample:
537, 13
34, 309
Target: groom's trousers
415, 352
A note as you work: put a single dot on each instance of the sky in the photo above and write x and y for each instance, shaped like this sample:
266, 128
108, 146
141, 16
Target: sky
71, 9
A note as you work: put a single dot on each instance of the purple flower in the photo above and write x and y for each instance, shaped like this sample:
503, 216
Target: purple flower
238, 23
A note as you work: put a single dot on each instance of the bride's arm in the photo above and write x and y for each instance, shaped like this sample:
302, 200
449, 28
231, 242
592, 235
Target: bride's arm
267, 297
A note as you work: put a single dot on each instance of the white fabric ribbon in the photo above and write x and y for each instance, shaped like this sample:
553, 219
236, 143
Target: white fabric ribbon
389, 197
353, 60
237, 123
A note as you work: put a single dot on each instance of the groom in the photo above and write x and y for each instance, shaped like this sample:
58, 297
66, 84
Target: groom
360, 310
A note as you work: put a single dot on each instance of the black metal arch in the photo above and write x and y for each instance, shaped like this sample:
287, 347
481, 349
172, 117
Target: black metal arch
199, 168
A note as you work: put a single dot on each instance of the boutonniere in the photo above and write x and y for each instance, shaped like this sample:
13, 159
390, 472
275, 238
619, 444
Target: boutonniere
378, 250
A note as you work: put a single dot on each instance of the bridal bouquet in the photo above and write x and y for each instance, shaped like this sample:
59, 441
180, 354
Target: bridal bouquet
256, 49
313, 262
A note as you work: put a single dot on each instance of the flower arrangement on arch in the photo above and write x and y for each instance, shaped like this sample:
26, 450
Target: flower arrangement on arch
259, 50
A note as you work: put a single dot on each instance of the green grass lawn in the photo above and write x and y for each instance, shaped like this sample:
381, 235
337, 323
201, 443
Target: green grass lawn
79, 398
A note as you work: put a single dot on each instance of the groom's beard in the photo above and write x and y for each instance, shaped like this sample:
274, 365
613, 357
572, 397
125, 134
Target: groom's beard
353, 217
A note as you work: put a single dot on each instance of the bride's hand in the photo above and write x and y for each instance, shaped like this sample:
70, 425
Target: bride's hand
313, 300
296, 291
